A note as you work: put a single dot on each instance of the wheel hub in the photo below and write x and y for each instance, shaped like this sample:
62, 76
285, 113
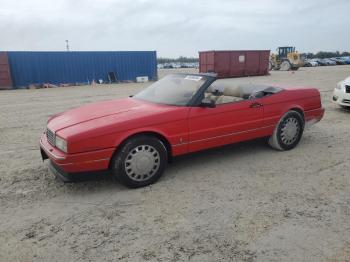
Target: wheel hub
290, 131
142, 162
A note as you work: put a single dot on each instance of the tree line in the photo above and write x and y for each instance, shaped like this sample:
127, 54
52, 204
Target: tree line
324, 54
181, 59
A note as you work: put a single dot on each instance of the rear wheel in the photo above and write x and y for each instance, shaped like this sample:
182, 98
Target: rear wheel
288, 131
140, 162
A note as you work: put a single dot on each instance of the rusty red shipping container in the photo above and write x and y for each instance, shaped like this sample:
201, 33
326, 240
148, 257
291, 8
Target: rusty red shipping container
234, 63
5, 75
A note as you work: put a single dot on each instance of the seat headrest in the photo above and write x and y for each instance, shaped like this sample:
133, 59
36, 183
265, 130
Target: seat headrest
209, 89
215, 87
232, 91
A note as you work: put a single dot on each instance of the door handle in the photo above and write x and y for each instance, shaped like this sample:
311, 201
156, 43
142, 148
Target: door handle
255, 105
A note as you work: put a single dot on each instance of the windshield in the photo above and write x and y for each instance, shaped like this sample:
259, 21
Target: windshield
172, 89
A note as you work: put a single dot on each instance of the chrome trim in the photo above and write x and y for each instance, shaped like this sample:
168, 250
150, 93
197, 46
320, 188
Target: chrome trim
102, 159
317, 109
181, 144
89, 161
231, 134
66, 164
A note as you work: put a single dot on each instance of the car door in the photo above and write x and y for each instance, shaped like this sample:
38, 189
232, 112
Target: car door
224, 124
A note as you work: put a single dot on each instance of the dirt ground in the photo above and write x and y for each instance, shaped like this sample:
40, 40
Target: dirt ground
244, 202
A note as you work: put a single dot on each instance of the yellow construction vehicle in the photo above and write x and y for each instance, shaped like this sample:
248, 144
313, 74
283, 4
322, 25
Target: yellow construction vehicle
286, 59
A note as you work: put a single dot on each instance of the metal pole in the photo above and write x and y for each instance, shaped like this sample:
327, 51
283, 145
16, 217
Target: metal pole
67, 45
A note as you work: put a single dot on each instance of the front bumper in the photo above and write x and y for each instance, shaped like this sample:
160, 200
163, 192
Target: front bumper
75, 163
75, 177
341, 98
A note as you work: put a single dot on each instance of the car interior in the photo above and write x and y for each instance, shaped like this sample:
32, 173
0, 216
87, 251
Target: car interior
222, 94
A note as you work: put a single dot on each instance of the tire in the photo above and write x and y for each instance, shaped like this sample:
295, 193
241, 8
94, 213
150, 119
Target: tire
288, 131
285, 66
140, 161
270, 66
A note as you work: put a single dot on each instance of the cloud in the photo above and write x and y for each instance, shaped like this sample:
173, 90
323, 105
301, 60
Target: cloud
174, 27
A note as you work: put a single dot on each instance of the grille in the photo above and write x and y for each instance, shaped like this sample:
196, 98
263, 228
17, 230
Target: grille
347, 89
50, 136
346, 101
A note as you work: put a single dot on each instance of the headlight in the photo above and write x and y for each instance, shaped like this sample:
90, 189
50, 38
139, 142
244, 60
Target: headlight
61, 144
339, 85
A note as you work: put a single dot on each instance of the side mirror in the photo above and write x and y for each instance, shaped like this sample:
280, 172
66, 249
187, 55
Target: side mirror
208, 103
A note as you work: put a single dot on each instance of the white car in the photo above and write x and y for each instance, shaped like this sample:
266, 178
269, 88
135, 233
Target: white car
341, 94
311, 63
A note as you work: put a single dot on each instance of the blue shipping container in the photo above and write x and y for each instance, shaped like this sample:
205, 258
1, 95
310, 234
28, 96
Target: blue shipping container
79, 67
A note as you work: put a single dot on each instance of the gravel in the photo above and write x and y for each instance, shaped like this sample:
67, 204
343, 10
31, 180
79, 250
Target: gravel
242, 202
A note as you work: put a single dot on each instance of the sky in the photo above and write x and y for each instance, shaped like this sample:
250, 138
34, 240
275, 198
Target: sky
174, 27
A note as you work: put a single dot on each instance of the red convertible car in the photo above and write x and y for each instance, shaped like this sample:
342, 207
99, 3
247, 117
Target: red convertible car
135, 137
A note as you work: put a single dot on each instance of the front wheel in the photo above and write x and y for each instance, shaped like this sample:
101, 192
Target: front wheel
288, 131
285, 66
140, 161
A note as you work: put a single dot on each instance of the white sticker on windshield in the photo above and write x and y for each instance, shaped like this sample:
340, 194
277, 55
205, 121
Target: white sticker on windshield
193, 78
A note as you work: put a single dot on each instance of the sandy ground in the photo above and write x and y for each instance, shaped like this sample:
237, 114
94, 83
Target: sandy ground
244, 202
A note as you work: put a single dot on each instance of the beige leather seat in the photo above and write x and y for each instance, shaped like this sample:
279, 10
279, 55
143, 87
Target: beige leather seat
209, 93
230, 94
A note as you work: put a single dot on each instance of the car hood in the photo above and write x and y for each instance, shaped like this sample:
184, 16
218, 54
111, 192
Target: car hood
129, 108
